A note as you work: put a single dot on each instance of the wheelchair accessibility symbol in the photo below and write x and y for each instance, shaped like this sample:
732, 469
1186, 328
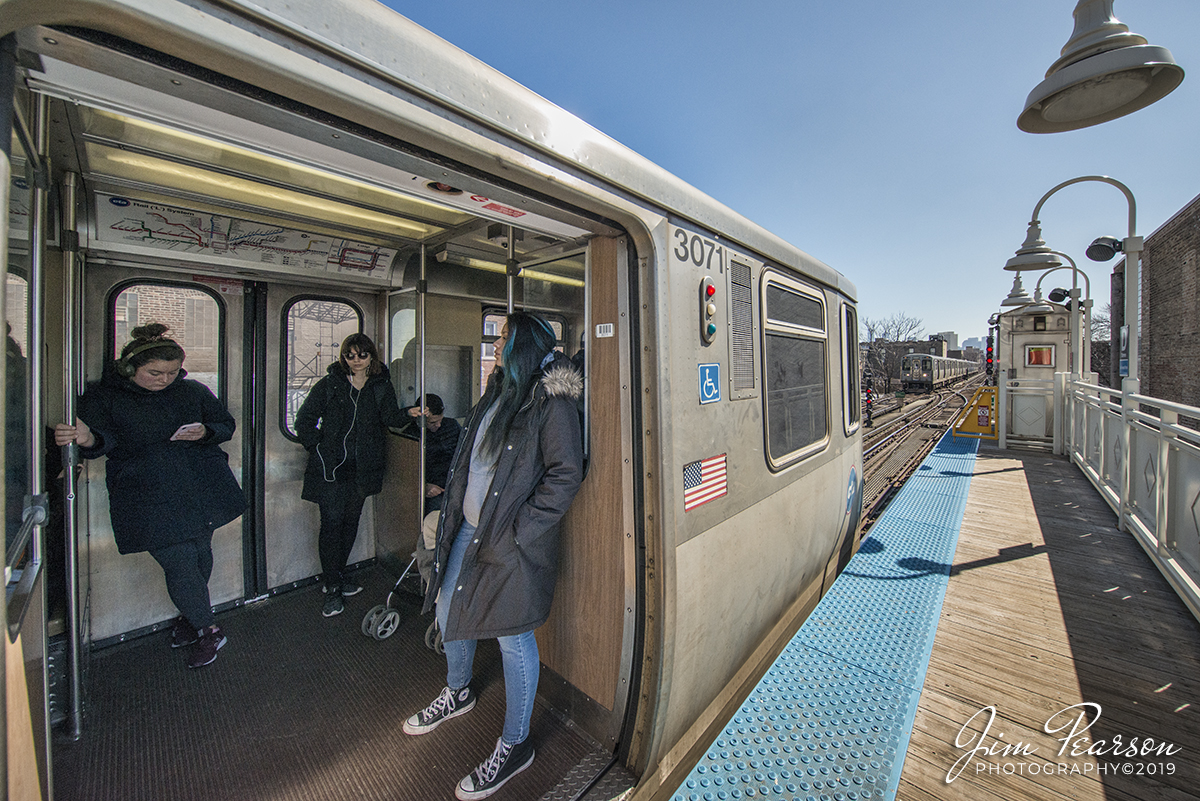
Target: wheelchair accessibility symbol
710, 383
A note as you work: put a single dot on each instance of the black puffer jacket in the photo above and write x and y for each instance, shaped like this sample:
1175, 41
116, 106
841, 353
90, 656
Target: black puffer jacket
161, 491
511, 566
325, 418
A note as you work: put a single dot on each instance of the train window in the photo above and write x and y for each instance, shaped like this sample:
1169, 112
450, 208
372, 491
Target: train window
853, 404
313, 332
794, 370
493, 321
192, 313
793, 309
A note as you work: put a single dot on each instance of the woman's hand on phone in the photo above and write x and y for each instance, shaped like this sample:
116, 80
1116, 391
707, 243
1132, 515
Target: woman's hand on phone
190, 432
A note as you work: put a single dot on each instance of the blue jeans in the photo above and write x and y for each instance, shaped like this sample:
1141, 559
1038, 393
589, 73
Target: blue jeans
518, 652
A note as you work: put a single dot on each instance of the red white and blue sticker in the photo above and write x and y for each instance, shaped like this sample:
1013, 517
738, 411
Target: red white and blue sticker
704, 481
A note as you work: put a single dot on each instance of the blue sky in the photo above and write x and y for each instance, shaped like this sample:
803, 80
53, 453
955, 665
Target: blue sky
879, 137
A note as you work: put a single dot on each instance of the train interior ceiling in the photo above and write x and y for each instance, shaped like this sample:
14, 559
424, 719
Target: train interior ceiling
189, 178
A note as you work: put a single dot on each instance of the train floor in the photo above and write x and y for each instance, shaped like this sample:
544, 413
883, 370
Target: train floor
298, 706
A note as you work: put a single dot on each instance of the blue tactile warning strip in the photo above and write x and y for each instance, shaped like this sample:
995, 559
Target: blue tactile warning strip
831, 719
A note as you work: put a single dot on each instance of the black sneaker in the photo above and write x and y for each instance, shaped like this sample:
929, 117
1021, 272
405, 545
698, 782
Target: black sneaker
350, 588
504, 763
183, 633
449, 704
333, 605
204, 651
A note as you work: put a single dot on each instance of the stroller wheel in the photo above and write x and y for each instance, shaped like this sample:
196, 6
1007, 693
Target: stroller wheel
368, 624
386, 624
433, 639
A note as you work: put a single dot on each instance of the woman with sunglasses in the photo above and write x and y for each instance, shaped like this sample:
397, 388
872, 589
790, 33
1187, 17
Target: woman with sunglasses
341, 424
516, 471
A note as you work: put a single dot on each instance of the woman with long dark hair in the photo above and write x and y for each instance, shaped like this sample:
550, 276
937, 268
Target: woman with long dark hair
169, 482
516, 471
341, 423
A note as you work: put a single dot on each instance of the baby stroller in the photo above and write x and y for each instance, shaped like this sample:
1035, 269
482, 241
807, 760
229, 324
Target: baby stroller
382, 620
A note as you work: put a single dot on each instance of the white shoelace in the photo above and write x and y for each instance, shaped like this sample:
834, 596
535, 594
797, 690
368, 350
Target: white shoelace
491, 766
441, 703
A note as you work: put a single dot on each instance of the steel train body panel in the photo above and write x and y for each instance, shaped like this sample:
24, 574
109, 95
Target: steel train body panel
354, 90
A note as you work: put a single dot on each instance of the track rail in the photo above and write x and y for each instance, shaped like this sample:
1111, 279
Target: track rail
893, 450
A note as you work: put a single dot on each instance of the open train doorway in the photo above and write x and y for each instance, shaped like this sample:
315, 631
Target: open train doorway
285, 336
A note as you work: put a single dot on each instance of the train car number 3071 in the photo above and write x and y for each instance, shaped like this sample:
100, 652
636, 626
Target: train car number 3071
698, 250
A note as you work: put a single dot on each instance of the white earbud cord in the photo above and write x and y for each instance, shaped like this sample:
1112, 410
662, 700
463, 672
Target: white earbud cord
345, 451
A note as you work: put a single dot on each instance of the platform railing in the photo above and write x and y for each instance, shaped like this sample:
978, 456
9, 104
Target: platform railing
1146, 466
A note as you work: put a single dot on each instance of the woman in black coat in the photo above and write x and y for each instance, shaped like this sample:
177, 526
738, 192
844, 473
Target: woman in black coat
515, 473
341, 423
169, 482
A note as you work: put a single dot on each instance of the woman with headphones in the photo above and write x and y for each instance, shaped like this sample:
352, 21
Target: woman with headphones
169, 482
341, 423
515, 473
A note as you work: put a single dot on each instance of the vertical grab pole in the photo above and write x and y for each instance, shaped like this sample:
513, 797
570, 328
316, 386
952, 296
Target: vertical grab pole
511, 268
8, 69
70, 460
421, 290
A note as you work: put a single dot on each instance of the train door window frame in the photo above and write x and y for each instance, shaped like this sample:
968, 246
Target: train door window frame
794, 318
290, 399
852, 404
117, 313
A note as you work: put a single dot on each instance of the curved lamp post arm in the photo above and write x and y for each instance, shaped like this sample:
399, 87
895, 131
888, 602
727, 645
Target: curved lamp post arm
1081, 356
1132, 247
1102, 179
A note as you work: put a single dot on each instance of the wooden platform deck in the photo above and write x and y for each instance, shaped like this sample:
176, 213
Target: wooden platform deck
1050, 607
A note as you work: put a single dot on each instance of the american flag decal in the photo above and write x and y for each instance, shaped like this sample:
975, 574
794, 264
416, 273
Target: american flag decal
703, 481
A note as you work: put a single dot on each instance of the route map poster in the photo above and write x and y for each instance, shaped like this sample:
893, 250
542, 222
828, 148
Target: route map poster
122, 220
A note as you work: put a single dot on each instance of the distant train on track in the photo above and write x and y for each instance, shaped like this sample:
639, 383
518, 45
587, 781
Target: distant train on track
922, 372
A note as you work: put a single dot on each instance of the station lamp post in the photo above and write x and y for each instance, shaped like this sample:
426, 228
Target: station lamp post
1081, 335
1103, 72
1034, 254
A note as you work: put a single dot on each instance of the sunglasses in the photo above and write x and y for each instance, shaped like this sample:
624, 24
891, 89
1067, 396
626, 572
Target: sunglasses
357, 356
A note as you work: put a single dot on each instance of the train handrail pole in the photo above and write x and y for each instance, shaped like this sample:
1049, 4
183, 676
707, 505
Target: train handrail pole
70, 452
8, 75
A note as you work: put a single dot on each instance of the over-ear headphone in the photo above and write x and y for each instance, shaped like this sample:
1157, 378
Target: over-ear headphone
126, 368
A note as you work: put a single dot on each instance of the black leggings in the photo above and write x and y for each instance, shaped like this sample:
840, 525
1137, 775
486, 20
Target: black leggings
187, 567
341, 506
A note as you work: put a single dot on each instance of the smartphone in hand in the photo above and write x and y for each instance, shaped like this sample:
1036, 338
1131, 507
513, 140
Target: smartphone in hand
184, 431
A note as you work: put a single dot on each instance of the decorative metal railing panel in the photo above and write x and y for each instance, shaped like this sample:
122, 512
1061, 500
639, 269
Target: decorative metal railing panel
1147, 466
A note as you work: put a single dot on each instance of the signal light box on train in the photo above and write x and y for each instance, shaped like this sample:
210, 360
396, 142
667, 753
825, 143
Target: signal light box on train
989, 353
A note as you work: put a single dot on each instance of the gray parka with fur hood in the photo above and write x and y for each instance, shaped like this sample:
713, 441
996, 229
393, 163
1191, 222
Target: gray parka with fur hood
511, 566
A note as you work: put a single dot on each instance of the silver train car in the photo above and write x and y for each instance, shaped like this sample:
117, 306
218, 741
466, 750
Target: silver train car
923, 372
267, 177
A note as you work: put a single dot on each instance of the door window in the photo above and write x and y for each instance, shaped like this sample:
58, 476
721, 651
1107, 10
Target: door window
193, 314
314, 329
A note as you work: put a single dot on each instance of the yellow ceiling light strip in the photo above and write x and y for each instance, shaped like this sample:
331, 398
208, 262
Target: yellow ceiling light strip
189, 177
266, 160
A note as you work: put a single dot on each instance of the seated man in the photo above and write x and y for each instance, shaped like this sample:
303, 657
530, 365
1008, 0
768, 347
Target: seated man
441, 439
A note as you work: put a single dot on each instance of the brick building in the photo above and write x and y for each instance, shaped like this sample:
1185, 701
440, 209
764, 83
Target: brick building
1170, 307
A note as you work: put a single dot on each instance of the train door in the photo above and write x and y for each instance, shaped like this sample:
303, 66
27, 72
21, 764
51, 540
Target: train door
126, 592
286, 336
302, 331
